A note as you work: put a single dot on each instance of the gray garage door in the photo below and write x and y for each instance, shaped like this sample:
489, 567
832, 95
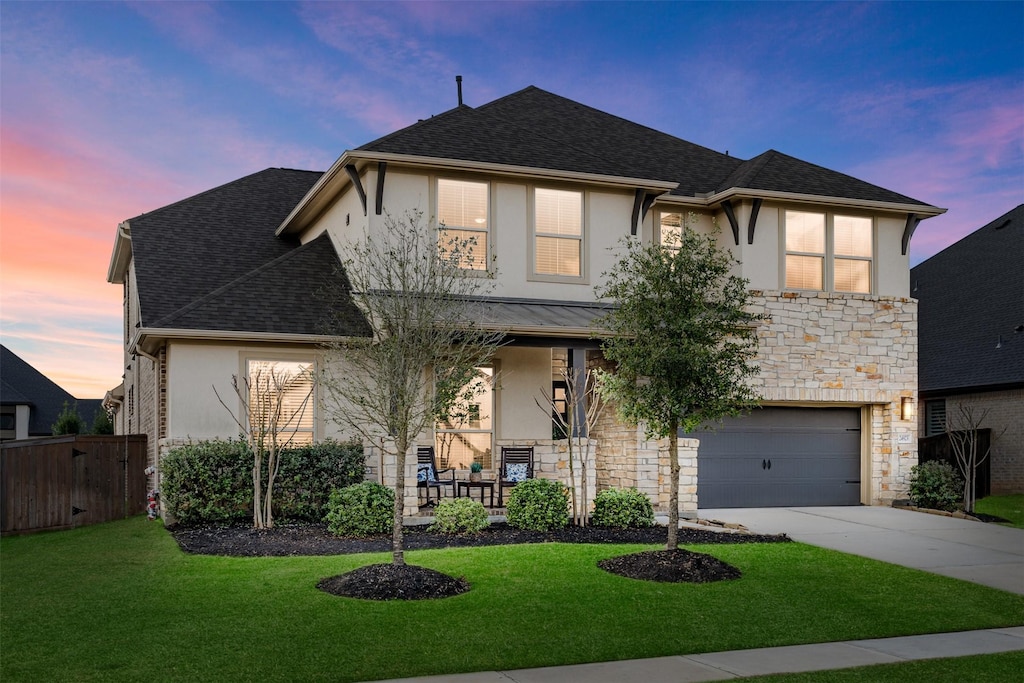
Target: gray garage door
781, 457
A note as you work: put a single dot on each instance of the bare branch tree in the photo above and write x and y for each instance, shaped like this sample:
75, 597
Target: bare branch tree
268, 422
962, 431
588, 404
424, 344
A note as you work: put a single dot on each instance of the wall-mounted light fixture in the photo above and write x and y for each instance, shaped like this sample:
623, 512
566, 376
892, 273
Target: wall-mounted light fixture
907, 408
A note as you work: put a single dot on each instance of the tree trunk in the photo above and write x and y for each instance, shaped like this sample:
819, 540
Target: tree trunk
673, 496
397, 545
257, 499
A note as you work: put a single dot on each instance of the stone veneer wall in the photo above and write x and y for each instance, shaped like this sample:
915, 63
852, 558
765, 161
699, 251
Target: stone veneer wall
815, 349
846, 349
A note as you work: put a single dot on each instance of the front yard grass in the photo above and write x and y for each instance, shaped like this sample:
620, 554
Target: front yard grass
1010, 507
120, 601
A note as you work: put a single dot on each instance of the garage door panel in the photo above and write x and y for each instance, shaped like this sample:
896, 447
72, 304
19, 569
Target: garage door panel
814, 457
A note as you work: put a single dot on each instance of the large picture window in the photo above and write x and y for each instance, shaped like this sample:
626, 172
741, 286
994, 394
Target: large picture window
466, 434
462, 216
828, 252
281, 393
558, 232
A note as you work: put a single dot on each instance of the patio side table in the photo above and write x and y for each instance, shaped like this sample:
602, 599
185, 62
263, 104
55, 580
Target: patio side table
468, 486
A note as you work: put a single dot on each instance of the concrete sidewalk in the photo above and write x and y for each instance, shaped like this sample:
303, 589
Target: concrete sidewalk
988, 554
720, 666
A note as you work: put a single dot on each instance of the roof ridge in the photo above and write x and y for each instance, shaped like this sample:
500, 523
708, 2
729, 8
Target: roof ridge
269, 265
218, 188
747, 170
605, 113
420, 122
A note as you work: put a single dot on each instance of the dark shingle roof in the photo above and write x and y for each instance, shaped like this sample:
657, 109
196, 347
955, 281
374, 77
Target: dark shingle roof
779, 172
212, 262
537, 129
285, 296
971, 296
22, 384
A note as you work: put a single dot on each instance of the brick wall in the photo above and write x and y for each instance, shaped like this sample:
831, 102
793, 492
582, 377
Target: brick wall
1003, 413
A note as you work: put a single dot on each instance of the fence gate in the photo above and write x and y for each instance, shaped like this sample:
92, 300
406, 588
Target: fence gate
70, 481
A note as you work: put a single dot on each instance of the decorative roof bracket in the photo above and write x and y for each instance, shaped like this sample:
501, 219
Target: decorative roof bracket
752, 223
913, 220
731, 215
357, 183
642, 201
382, 169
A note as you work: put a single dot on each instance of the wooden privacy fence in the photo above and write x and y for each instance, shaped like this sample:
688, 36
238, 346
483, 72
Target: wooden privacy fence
63, 482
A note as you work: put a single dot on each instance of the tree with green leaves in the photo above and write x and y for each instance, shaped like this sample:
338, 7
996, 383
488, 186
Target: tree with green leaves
68, 421
425, 343
682, 340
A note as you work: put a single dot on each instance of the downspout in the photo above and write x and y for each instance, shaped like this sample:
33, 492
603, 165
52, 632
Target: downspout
157, 417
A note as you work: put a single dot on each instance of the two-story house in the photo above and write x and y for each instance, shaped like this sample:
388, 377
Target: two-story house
220, 282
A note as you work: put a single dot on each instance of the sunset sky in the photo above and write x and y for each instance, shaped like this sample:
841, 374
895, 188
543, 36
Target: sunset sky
109, 110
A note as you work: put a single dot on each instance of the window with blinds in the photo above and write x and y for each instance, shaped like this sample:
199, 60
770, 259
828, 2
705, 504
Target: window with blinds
934, 417
558, 232
284, 389
462, 216
828, 252
670, 229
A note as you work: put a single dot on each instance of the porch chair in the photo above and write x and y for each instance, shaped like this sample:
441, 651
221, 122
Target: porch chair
428, 476
516, 466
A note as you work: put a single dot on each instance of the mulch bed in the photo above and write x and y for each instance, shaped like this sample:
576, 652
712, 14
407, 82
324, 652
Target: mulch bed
409, 582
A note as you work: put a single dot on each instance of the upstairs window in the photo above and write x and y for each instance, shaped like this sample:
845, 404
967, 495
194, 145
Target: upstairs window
670, 230
828, 252
558, 233
462, 216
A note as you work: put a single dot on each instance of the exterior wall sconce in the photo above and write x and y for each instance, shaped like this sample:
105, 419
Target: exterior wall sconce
907, 408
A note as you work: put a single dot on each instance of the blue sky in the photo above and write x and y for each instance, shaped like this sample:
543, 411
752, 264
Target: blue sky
108, 110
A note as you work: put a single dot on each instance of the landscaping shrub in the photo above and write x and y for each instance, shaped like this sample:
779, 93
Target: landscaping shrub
207, 483
361, 509
308, 474
538, 505
936, 485
623, 509
459, 515
210, 482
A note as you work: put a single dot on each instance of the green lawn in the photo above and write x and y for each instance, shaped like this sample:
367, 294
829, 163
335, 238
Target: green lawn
1008, 507
999, 668
119, 601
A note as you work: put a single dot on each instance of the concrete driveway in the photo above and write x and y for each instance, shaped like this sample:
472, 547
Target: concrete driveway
983, 553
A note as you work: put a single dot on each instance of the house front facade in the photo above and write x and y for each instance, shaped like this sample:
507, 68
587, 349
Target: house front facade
547, 187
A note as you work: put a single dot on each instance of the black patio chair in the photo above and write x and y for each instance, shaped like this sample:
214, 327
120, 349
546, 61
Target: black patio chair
516, 466
428, 476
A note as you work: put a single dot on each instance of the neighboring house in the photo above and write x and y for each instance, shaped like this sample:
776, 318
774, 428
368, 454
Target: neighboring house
220, 282
30, 403
971, 326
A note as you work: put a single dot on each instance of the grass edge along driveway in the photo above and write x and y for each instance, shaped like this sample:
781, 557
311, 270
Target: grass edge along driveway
120, 601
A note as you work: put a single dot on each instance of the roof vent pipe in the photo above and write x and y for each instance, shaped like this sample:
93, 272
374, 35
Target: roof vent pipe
458, 83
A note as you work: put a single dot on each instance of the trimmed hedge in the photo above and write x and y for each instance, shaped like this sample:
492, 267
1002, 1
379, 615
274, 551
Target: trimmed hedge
211, 482
623, 509
538, 505
361, 510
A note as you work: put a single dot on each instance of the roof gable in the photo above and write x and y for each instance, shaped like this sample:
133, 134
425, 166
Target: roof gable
22, 384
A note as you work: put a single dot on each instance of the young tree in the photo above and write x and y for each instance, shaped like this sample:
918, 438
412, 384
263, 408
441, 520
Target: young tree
274, 403
582, 401
962, 430
425, 344
101, 423
682, 341
68, 421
